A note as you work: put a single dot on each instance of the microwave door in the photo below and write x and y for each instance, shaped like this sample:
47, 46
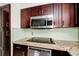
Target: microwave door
38, 22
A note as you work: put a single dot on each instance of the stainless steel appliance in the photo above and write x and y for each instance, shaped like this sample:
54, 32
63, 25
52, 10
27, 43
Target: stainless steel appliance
34, 51
45, 21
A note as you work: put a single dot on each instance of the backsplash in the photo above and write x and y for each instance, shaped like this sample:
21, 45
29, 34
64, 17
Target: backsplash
69, 34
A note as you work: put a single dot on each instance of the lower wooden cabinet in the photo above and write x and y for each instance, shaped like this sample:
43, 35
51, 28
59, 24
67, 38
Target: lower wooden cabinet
0, 52
60, 53
19, 50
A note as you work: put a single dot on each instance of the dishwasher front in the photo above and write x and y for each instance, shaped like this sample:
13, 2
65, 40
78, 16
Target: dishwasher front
35, 51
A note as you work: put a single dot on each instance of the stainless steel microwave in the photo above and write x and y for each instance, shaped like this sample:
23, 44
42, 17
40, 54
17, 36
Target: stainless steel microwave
45, 21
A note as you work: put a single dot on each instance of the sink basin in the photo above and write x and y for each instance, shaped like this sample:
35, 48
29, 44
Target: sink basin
41, 40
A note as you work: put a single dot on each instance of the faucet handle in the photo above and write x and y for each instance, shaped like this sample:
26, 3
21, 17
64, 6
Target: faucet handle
51, 41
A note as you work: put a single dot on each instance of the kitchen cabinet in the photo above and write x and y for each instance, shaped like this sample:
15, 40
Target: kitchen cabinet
0, 52
77, 14
64, 14
1, 37
5, 42
68, 15
46, 9
57, 15
0, 17
41, 10
60, 53
19, 50
25, 18
22, 50
36, 11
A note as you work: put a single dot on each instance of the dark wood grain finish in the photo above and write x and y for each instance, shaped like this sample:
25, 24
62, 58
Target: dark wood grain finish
19, 50
46, 9
0, 17
0, 52
77, 14
36, 11
56, 15
25, 18
65, 15
72, 15
68, 15
0, 38
6, 29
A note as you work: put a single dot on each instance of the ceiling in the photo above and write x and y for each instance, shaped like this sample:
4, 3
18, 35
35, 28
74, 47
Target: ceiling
1, 4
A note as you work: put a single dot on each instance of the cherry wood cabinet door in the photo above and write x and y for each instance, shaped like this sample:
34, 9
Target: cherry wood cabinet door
1, 37
57, 15
25, 18
36, 11
0, 52
68, 15
0, 17
46, 9
72, 15
19, 50
77, 14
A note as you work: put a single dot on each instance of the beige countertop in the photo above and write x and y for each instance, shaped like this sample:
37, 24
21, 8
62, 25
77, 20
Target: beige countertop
71, 47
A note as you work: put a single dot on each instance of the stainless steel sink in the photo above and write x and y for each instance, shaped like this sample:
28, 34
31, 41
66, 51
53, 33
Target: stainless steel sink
41, 40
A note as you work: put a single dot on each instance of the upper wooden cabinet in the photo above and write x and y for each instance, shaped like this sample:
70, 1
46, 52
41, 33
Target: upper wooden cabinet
25, 17
57, 15
68, 15
41, 10
36, 11
77, 14
46, 9
64, 14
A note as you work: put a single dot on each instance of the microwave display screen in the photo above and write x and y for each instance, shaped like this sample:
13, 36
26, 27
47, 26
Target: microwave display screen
49, 22
38, 22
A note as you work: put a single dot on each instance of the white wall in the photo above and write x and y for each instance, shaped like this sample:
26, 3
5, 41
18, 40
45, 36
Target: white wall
68, 34
15, 12
1, 4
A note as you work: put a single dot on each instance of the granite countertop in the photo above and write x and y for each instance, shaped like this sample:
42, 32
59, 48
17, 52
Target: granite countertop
71, 47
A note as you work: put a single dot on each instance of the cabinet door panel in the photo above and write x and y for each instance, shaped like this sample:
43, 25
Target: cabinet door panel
19, 50
36, 11
72, 14
46, 9
65, 15
25, 18
0, 17
68, 15
0, 37
0, 52
59, 15
77, 14
56, 19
